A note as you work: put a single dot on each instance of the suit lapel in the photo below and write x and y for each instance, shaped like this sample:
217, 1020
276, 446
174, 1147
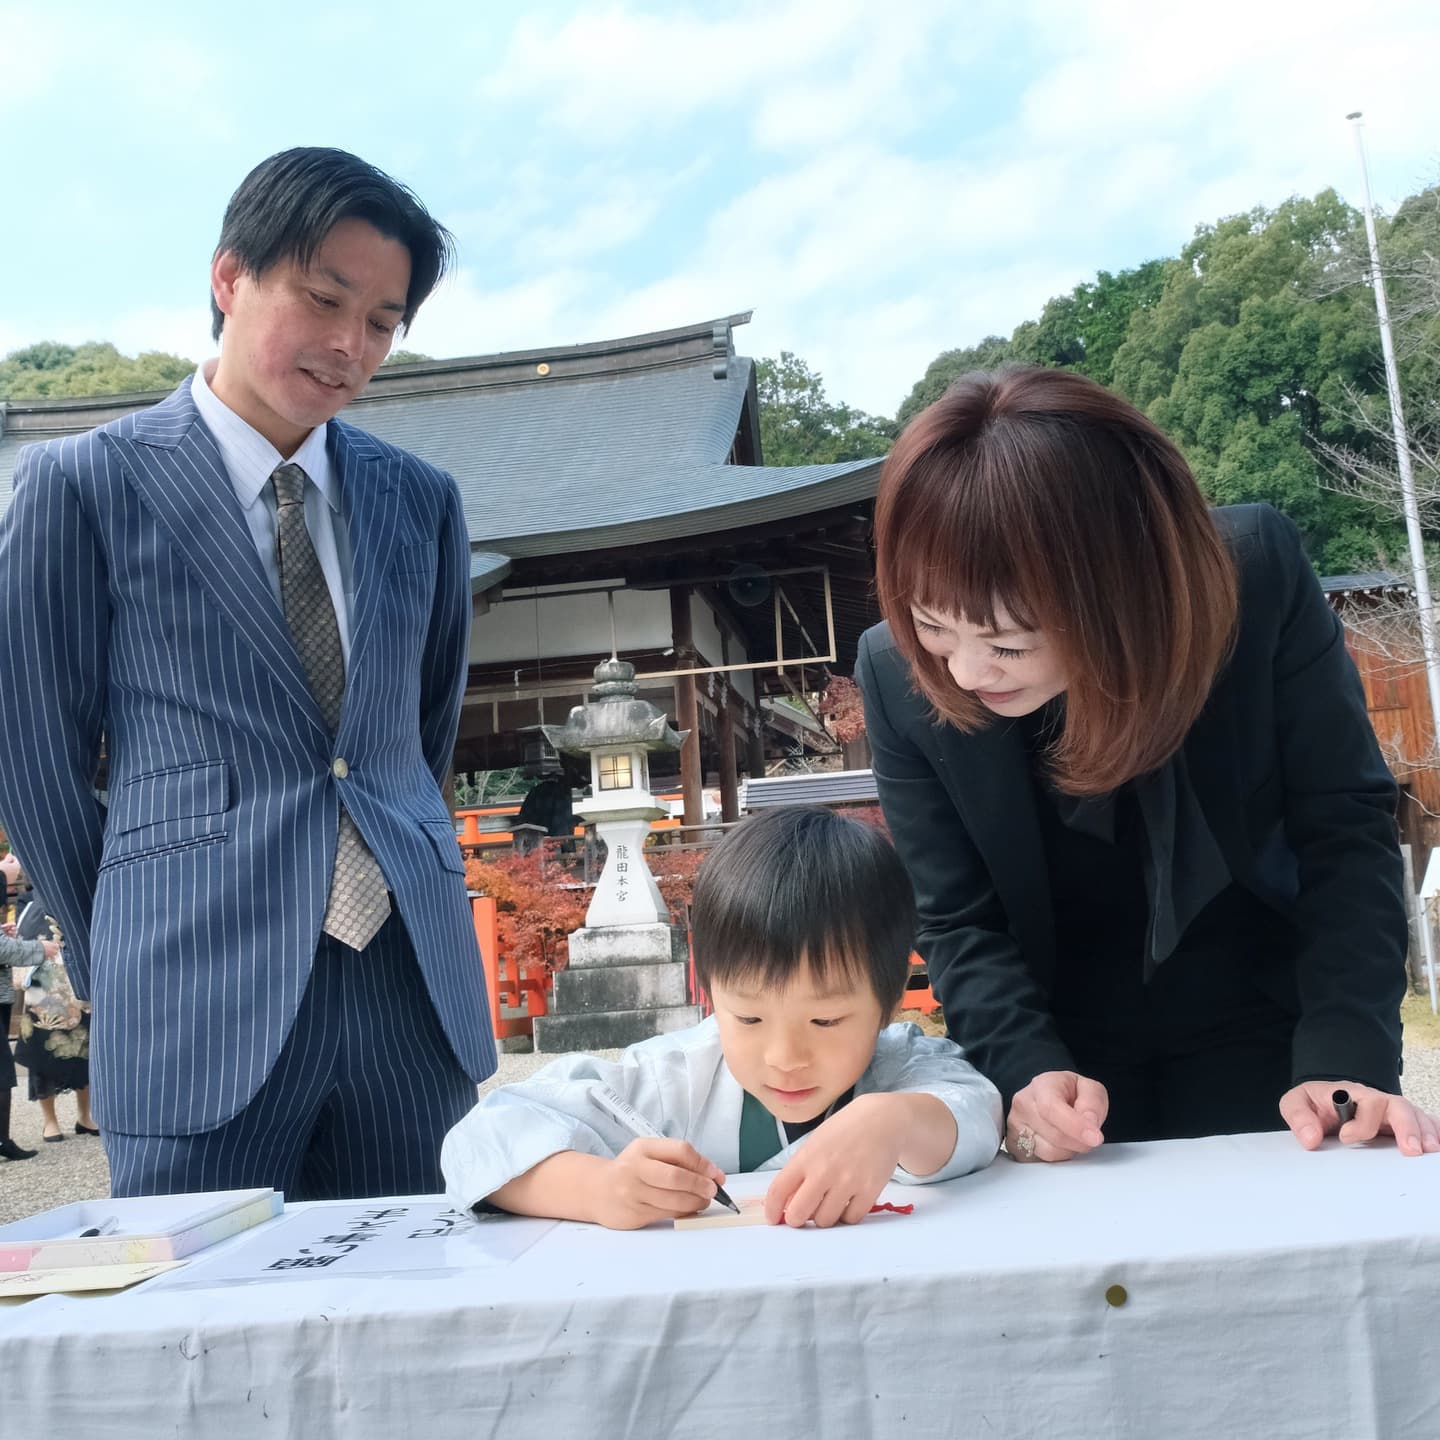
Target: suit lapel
370, 503
175, 466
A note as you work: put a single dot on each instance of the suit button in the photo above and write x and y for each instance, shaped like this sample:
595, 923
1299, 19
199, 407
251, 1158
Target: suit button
339, 769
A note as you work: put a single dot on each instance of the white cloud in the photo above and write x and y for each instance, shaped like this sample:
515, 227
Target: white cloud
869, 262
180, 330
879, 182
1258, 90
803, 71
109, 60
868, 255
33, 49
463, 317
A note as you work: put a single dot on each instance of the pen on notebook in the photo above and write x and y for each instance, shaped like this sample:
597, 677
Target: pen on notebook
108, 1226
1344, 1106
623, 1111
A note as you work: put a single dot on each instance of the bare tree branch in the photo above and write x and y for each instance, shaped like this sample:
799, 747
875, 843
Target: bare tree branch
1374, 477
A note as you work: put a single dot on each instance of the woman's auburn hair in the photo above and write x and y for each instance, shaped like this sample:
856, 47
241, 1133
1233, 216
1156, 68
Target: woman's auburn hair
1039, 492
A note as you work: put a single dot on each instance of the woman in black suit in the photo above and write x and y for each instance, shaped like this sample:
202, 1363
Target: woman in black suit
1127, 761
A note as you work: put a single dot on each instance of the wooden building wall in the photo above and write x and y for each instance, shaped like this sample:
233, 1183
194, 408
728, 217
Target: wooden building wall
1398, 699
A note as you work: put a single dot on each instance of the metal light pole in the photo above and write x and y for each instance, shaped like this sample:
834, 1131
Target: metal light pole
1418, 570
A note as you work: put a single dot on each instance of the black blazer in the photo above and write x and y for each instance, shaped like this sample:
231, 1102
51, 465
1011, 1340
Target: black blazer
1288, 775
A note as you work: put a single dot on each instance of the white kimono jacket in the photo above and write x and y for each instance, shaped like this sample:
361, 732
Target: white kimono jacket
681, 1084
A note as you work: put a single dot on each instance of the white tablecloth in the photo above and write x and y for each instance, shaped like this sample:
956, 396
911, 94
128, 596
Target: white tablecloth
1269, 1292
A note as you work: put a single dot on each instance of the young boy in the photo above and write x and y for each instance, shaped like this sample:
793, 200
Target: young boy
802, 925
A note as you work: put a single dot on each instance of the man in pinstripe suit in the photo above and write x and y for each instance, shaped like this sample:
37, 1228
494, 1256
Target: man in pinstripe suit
263, 613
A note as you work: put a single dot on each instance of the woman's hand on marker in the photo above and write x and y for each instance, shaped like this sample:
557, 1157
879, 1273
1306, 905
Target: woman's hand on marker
1061, 1113
840, 1170
1309, 1111
654, 1179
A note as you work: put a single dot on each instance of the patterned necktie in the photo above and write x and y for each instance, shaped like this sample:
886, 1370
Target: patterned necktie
358, 904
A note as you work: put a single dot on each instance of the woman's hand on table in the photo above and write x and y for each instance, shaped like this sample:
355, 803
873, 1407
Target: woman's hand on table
1057, 1116
1309, 1111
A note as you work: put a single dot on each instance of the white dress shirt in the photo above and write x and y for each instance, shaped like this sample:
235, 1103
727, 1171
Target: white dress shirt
250, 460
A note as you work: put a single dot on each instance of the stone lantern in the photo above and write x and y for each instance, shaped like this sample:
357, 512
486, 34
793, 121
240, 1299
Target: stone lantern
617, 731
626, 979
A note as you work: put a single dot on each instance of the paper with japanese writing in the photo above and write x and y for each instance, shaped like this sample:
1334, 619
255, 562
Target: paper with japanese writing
368, 1238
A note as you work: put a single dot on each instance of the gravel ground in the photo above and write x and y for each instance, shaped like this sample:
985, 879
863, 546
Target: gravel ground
76, 1169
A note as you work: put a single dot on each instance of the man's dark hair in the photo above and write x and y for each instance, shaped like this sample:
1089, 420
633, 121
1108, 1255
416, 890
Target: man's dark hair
801, 886
288, 204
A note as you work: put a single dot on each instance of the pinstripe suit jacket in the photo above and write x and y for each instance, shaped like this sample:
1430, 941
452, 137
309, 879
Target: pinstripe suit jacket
137, 608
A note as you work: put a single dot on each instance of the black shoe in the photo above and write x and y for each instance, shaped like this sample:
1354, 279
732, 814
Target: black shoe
84, 1129
52, 1139
11, 1151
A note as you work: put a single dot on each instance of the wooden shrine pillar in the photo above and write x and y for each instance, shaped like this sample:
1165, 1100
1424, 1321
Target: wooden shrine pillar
687, 710
755, 748
728, 699
729, 779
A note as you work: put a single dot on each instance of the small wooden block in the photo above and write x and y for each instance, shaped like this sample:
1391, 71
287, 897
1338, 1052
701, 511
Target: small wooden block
717, 1217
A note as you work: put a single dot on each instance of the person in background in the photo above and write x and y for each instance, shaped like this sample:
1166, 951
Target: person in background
1127, 761
12, 952
54, 1043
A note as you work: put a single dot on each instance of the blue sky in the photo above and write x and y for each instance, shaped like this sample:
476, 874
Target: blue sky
878, 182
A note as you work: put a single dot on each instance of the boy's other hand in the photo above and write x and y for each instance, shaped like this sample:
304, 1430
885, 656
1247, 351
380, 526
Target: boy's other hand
840, 1170
654, 1179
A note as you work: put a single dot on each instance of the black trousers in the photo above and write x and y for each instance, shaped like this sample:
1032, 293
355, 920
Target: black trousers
1203, 1047
7, 1059
1230, 1089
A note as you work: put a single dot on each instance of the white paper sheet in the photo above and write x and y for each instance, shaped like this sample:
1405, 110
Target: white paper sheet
394, 1238
80, 1279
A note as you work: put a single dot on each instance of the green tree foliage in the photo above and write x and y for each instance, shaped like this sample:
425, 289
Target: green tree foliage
51, 371
1084, 329
1256, 349
1411, 257
405, 357
1247, 357
800, 426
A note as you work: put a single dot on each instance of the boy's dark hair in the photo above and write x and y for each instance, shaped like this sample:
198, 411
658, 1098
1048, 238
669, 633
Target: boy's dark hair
288, 204
804, 886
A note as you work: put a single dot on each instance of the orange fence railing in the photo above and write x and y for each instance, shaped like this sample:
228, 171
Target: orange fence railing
515, 987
